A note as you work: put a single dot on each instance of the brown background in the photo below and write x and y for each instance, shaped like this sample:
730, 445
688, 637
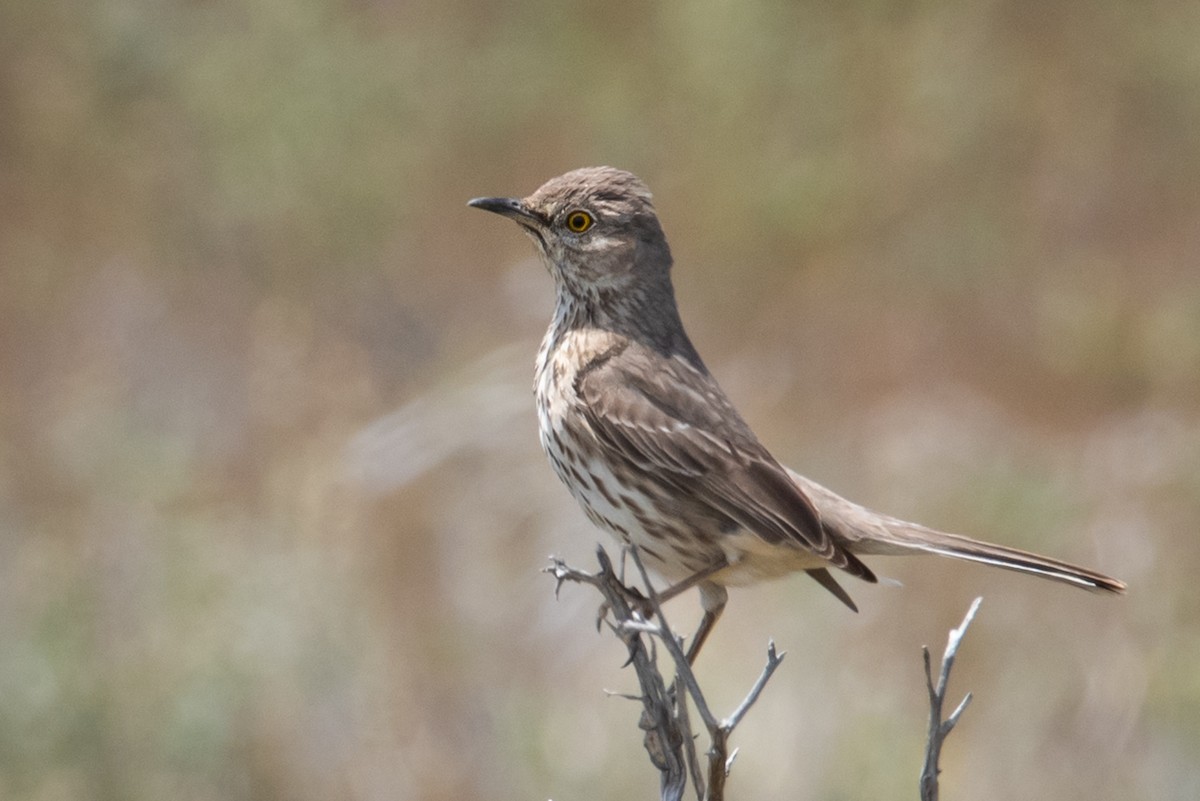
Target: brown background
271, 506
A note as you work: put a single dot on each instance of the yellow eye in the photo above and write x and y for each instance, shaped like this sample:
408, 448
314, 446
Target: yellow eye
579, 221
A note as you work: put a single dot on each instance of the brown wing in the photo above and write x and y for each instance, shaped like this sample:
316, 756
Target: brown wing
669, 417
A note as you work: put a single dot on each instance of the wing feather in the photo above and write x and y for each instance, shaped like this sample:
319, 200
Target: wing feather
675, 422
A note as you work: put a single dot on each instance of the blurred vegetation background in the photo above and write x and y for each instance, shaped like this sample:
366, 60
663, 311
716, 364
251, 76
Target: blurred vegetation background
272, 509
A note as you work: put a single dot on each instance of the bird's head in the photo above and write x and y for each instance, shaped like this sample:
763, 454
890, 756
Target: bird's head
595, 227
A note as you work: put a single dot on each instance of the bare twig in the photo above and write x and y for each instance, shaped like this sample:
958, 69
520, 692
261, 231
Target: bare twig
669, 739
685, 731
639, 622
773, 662
683, 670
940, 729
720, 759
663, 740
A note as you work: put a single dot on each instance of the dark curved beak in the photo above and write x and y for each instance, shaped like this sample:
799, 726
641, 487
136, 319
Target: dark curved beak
509, 207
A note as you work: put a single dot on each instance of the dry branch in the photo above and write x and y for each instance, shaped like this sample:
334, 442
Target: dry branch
940, 729
638, 620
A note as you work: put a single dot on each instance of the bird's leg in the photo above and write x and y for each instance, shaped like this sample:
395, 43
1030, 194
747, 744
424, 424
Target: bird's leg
691, 581
712, 600
640, 602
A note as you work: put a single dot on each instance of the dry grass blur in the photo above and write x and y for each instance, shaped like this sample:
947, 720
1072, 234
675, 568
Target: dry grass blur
271, 505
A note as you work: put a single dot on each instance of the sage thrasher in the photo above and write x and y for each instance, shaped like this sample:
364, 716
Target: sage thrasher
650, 446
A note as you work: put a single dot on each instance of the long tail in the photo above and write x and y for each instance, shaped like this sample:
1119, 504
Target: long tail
867, 532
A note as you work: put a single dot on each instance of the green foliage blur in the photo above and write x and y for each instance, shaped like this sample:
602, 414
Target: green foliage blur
271, 506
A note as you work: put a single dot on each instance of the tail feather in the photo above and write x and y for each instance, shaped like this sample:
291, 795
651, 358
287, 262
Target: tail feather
924, 540
865, 532
826, 580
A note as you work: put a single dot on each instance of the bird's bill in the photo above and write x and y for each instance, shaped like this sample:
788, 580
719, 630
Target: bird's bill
510, 207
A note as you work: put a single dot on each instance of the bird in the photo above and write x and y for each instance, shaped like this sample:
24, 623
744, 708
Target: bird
651, 447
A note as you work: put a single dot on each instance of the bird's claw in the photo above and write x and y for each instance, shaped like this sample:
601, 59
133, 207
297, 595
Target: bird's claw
639, 606
602, 613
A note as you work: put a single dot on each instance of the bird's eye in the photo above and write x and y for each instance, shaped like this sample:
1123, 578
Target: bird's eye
579, 221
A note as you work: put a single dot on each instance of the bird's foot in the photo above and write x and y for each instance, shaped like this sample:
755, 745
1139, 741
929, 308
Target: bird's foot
639, 606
